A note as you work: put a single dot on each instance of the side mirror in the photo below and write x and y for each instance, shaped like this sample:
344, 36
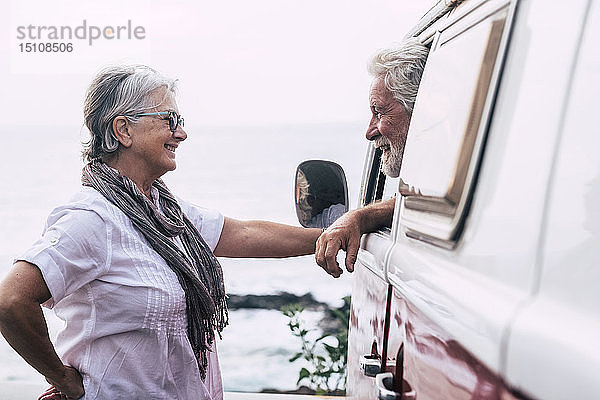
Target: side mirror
321, 193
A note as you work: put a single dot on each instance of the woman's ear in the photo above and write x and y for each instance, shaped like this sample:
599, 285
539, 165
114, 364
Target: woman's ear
121, 127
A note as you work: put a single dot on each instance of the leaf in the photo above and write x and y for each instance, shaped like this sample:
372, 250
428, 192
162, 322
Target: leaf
295, 357
302, 375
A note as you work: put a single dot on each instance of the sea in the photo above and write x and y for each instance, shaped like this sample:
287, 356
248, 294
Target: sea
245, 173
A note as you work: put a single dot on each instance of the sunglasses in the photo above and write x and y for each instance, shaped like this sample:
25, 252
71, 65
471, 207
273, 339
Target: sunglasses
174, 118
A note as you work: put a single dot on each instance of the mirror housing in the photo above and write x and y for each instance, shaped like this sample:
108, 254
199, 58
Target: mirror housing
321, 193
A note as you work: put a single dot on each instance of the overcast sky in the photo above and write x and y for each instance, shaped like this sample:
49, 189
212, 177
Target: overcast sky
239, 62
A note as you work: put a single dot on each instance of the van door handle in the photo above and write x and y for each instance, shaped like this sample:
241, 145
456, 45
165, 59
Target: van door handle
382, 382
385, 382
370, 364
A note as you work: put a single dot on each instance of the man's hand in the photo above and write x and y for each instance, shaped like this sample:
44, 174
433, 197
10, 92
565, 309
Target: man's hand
343, 234
69, 387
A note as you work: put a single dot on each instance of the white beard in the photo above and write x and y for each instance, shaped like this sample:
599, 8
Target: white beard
391, 160
391, 163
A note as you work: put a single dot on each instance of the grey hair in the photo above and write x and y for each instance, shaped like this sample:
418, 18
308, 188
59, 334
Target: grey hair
115, 91
302, 196
401, 68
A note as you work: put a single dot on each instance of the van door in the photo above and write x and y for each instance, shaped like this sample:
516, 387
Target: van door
370, 290
464, 257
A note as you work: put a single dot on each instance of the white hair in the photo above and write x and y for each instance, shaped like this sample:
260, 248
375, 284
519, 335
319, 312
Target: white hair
401, 68
118, 91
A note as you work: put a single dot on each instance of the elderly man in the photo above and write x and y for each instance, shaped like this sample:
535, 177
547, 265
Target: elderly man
396, 75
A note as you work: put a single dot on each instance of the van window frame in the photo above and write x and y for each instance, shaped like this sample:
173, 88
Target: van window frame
440, 220
375, 182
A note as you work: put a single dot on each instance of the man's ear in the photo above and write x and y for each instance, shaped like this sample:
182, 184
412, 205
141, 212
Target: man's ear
121, 127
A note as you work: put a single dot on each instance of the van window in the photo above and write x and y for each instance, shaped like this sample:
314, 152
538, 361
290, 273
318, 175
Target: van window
448, 126
378, 186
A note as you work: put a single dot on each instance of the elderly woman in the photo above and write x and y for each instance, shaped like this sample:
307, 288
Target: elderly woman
129, 267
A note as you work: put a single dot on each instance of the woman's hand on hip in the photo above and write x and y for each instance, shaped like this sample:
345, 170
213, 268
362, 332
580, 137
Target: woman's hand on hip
70, 386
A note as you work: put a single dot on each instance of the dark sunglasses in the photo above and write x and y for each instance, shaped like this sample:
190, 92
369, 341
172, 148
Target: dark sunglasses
174, 118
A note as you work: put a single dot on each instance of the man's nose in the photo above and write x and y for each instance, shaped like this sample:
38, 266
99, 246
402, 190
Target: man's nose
179, 134
372, 130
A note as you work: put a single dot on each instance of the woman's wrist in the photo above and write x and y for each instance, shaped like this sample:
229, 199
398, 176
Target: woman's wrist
58, 376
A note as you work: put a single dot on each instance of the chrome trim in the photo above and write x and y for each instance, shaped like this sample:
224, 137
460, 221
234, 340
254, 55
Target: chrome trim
369, 261
434, 14
367, 184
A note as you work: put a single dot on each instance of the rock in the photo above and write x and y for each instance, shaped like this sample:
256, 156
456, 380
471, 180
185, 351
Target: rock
305, 390
331, 324
301, 390
273, 301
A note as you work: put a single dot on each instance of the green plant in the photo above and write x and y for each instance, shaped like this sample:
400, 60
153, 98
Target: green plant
326, 370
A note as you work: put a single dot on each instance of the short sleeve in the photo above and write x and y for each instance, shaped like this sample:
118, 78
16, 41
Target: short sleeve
73, 251
208, 222
334, 212
327, 217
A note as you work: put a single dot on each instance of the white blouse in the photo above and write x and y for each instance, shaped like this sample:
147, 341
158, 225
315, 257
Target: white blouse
123, 307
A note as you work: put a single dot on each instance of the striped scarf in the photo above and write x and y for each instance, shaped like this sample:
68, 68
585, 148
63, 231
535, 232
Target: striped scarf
197, 269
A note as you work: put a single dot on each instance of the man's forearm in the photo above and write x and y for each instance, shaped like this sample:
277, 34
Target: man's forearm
376, 215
